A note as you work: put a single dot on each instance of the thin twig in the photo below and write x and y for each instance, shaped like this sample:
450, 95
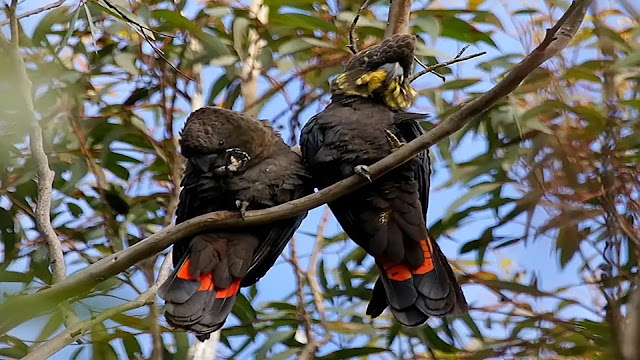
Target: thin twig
34, 11
20, 308
313, 278
353, 46
424, 66
140, 29
302, 309
133, 22
456, 59
309, 350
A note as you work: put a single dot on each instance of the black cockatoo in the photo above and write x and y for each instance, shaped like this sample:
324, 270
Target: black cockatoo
365, 122
233, 162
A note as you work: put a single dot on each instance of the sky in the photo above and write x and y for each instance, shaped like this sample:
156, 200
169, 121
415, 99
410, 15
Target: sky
537, 256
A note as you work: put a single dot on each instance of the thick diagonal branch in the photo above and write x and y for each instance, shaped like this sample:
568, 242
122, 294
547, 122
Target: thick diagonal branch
25, 307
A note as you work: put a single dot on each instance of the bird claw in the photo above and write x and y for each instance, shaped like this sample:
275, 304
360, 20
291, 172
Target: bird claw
393, 141
363, 170
242, 207
235, 160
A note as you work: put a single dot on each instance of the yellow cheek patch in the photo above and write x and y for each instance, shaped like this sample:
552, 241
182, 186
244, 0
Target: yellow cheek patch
373, 79
398, 96
340, 80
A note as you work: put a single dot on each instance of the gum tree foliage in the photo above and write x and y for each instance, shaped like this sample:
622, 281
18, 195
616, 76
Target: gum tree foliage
554, 166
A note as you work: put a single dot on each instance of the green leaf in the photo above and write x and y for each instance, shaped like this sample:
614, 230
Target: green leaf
14, 276
302, 21
578, 73
568, 242
243, 310
75, 210
458, 84
429, 24
431, 338
67, 35
130, 343
474, 191
124, 14
515, 287
58, 15
271, 341
182, 345
351, 353
92, 28
222, 82
53, 324
240, 26
212, 45
287, 354
127, 61
293, 46
461, 30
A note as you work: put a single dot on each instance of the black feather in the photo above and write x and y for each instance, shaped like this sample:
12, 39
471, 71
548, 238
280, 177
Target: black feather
273, 175
387, 217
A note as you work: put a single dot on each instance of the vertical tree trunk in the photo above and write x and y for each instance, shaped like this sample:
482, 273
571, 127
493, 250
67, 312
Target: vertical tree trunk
252, 67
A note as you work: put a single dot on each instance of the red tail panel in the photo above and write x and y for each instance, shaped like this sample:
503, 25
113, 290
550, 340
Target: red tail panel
397, 272
206, 282
183, 272
230, 291
427, 265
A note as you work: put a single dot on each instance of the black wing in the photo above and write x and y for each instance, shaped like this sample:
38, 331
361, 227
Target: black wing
271, 247
409, 127
196, 187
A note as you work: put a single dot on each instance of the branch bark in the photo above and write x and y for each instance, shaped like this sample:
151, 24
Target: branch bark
25, 307
309, 351
45, 175
34, 11
251, 67
398, 19
629, 328
303, 315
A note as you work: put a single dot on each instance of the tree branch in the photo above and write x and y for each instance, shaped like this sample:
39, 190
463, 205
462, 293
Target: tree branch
45, 175
34, 11
20, 308
309, 351
75, 331
457, 59
251, 67
303, 315
353, 40
398, 19
629, 327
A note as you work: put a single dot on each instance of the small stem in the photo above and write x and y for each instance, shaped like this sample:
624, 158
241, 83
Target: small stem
353, 46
